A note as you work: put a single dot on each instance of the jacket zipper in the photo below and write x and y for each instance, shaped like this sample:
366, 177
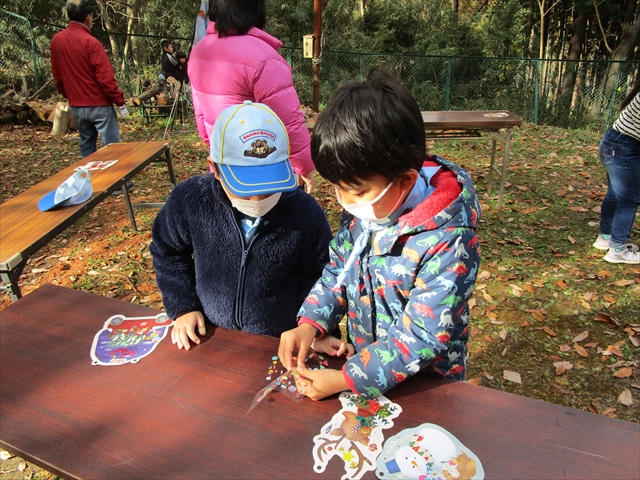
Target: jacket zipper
241, 276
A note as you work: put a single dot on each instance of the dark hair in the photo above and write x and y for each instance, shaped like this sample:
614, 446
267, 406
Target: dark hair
237, 16
78, 10
180, 55
165, 43
367, 129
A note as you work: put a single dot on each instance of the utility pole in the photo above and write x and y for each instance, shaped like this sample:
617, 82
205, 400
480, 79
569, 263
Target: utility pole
317, 39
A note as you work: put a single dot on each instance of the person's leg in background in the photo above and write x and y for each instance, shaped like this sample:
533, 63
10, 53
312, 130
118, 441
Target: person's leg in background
86, 129
620, 155
105, 120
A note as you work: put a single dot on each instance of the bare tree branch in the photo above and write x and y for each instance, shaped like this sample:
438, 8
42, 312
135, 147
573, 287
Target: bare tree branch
604, 35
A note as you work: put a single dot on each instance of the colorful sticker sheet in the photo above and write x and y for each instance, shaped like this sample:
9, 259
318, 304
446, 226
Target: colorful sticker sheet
289, 382
427, 452
128, 339
354, 434
97, 165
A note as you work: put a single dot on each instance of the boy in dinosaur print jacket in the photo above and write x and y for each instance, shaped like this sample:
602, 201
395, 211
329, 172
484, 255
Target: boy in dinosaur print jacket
403, 263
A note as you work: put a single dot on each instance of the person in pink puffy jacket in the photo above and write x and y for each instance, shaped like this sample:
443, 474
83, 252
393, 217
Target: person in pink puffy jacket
238, 61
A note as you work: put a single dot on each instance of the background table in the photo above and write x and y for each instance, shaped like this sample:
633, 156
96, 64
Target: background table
179, 414
451, 125
24, 229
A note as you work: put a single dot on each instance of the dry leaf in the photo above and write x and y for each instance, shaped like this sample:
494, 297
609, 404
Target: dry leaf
590, 344
562, 390
512, 376
581, 350
503, 334
489, 377
623, 372
592, 408
488, 297
571, 239
538, 315
604, 273
496, 322
472, 303
4, 455
524, 324
634, 341
517, 293
562, 367
611, 300
549, 331
581, 337
620, 343
561, 284
587, 297
474, 332
529, 288
565, 348
474, 381
22, 466
615, 350
625, 397
483, 275
624, 283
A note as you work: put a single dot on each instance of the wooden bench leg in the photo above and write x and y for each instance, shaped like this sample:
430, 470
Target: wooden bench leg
492, 167
505, 164
172, 175
127, 201
10, 280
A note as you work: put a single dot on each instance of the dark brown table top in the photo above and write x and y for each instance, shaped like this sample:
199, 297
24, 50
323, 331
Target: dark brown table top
179, 414
464, 119
24, 228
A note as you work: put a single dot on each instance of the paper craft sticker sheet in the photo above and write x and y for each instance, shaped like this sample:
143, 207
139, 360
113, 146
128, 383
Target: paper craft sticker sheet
128, 339
354, 434
427, 452
97, 165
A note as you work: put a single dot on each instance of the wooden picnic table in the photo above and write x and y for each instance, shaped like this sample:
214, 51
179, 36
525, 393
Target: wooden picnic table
180, 414
24, 229
470, 124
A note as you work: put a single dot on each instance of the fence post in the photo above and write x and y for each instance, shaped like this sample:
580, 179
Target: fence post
448, 85
126, 64
613, 96
536, 89
289, 57
361, 68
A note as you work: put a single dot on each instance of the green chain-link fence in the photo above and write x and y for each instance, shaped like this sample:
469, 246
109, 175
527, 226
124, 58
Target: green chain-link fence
583, 94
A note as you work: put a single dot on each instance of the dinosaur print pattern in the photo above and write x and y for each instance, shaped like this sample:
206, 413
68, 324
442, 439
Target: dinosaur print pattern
406, 298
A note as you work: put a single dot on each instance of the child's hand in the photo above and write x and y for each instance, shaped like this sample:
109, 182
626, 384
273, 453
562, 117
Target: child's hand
325, 382
184, 328
299, 339
333, 346
309, 181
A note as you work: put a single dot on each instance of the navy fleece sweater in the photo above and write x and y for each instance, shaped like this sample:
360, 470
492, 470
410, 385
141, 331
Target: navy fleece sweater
203, 262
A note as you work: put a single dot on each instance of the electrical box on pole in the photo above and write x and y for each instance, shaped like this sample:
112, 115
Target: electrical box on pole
307, 46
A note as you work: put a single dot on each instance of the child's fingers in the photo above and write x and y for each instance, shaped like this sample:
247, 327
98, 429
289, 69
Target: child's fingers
202, 329
285, 349
350, 350
192, 335
303, 349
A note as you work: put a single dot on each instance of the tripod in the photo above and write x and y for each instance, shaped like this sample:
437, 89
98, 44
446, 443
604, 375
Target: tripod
179, 108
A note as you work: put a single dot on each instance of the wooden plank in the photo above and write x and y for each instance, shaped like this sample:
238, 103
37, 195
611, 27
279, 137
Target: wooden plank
25, 229
180, 414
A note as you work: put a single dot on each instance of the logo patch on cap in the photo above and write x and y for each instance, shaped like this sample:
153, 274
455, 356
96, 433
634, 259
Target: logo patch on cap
260, 149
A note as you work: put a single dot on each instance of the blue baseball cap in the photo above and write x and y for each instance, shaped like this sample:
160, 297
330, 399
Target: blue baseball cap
73, 191
250, 147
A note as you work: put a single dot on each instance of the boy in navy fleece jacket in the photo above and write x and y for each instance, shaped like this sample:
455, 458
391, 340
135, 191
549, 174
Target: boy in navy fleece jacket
241, 247
404, 261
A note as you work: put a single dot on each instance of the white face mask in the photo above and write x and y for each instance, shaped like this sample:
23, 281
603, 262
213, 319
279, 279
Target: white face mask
364, 210
257, 208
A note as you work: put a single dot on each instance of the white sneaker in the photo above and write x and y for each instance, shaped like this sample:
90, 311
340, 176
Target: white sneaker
601, 243
626, 255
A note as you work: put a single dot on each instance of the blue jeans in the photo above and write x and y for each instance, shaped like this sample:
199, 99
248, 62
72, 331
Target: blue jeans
93, 121
620, 155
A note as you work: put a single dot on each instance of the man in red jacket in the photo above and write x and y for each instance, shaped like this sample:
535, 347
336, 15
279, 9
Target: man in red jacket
84, 75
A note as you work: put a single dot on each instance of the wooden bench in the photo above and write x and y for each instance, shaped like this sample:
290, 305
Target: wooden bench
180, 414
451, 125
24, 229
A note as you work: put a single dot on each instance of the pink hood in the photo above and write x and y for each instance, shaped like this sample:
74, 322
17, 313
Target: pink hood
229, 70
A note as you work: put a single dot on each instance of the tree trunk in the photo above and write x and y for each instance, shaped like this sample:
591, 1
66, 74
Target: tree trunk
115, 48
575, 52
61, 119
